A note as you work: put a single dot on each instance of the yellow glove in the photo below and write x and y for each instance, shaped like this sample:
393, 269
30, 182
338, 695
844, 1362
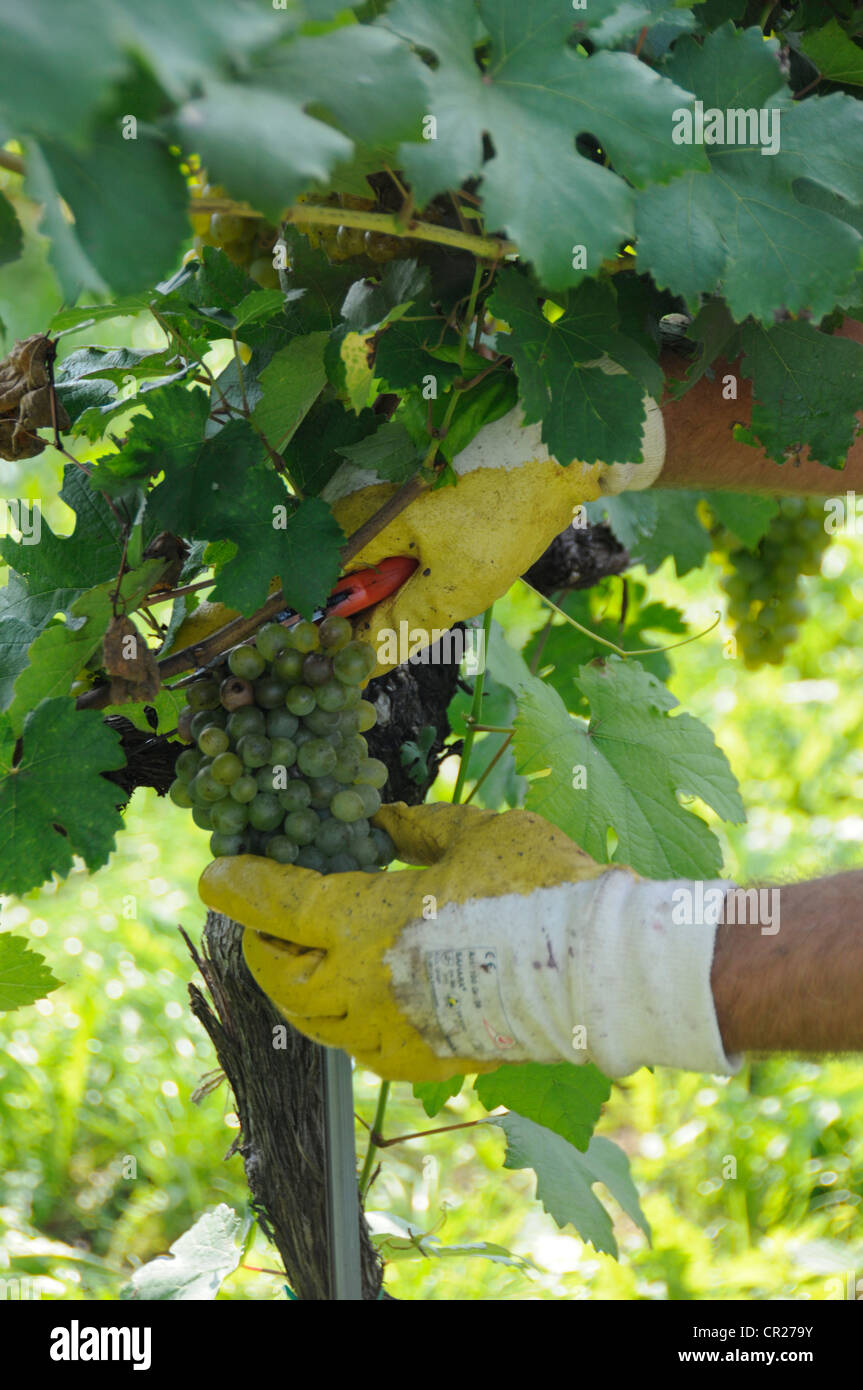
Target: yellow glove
472, 540
420, 975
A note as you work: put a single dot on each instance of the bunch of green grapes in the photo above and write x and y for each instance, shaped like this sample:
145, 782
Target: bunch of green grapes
765, 595
247, 241
279, 766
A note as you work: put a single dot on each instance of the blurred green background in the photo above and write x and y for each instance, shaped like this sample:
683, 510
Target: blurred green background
105, 1160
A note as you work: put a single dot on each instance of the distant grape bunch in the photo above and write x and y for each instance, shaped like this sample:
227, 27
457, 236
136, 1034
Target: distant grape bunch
279, 766
247, 241
765, 596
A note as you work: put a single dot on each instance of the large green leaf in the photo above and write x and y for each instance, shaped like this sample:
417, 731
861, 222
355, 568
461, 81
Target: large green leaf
564, 1098
565, 1178
290, 386
24, 976
534, 97
199, 1261
635, 761
48, 813
807, 388
743, 227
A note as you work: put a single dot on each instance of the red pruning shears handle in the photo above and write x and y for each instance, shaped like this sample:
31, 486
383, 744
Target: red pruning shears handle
362, 589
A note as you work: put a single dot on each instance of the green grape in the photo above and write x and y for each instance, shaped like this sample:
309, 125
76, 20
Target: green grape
370, 797
322, 723
365, 851
353, 697
281, 724
355, 746
254, 749
303, 735
204, 789
187, 764
283, 850
226, 768
213, 740
300, 700
354, 663
202, 818
311, 858
334, 633
331, 696
368, 716
203, 695
244, 789
332, 837
184, 723
296, 795
360, 830
249, 720
270, 693
316, 758
223, 845
374, 772
288, 667
346, 769
303, 637
301, 826
208, 719
265, 812
225, 228
283, 752
385, 847
264, 271
349, 722
179, 793
271, 640
317, 669
229, 817
342, 864
347, 805
268, 780
380, 247
246, 662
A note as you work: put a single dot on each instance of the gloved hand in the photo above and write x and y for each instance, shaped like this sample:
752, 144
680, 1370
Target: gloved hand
474, 539
511, 946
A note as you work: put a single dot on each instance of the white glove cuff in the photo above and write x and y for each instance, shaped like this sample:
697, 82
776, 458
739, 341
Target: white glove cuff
606, 971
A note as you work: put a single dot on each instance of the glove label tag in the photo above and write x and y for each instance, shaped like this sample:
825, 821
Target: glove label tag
465, 987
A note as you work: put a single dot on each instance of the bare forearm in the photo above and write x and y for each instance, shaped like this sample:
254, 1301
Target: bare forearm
701, 451
801, 989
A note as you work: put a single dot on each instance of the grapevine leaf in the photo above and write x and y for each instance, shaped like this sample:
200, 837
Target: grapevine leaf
624, 770
57, 64
564, 1179
834, 54
435, 1094
654, 525
306, 555
16, 637
402, 1240
185, 45
11, 237
369, 305
534, 97
259, 143
64, 648
115, 187
164, 440
314, 453
746, 514
609, 21
404, 353
587, 414
806, 388
200, 1259
53, 802
390, 453
89, 377
290, 384
24, 976
380, 97
123, 308
562, 1097
166, 706
75, 271
743, 225
258, 305
60, 568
